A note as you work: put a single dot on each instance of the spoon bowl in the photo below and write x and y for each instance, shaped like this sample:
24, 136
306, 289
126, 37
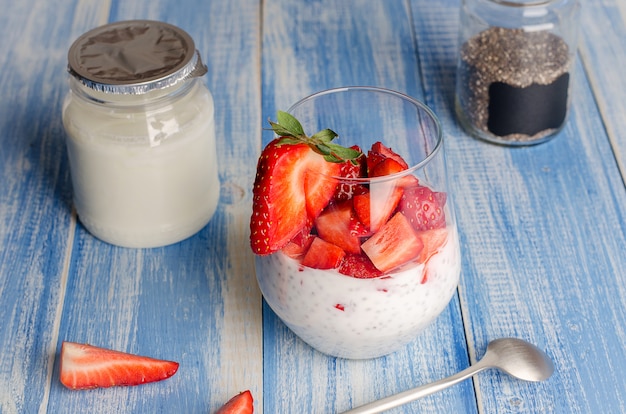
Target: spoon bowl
514, 356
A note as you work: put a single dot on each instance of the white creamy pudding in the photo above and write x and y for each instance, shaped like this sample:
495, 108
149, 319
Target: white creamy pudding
359, 318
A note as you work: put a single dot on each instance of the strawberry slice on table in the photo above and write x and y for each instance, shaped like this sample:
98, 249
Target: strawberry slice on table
323, 255
393, 245
423, 207
85, 366
241, 403
293, 183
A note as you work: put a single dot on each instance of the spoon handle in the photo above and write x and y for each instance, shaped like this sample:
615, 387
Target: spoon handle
419, 392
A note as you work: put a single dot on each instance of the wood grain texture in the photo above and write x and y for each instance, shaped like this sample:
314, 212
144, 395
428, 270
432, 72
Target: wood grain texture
543, 236
37, 226
543, 229
195, 302
603, 50
311, 46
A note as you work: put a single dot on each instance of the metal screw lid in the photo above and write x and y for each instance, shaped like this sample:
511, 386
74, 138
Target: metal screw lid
134, 57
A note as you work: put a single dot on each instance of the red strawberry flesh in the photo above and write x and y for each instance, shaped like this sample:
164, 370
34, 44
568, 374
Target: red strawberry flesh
335, 225
423, 207
241, 403
291, 188
393, 245
85, 366
323, 255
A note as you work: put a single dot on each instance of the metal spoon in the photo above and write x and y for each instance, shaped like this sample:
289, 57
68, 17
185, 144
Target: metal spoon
516, 357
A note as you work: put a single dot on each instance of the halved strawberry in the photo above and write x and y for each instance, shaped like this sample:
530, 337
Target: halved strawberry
393, 245
241, 403
423, 207
359, 266
376, 206
432, 240
293, 183
323, 255
335, 226
85, 366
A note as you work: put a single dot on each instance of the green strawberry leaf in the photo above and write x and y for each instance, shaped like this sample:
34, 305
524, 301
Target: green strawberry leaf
325, 135
291, 132
290, 123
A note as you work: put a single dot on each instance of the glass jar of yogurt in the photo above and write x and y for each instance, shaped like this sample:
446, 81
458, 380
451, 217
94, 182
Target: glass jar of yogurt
140, 134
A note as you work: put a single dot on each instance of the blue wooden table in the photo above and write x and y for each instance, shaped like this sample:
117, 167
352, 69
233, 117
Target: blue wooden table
542, 228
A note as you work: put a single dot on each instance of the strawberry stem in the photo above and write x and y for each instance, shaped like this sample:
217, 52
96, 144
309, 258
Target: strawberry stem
291, 132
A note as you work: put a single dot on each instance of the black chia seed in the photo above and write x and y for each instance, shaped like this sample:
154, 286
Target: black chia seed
514, 84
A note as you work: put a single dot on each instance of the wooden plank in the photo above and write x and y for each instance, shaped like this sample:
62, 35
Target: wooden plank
195, 302
35, 199
603, 50
534, 228
307, 47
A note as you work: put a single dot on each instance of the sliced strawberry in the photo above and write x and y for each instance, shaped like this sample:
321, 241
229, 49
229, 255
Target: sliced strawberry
423, 207
294, 182
393, 245
386, 167
359, 266
345, 190
432, 240
241, 403
386, 152
335, 225
286, 194
319, 183
299, 245
375, 207
84, 366
323, 255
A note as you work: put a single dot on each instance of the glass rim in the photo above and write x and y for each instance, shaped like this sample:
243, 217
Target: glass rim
420, 105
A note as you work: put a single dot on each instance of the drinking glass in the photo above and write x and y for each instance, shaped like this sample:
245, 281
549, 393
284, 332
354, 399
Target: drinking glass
405, 227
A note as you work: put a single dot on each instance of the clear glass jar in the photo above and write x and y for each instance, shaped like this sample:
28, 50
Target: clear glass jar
140, 135
515, 67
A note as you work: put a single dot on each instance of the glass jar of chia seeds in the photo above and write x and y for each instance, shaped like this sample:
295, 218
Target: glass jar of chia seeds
514, 71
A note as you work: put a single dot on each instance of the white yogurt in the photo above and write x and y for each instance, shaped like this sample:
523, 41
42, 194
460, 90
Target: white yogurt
143, 176
359, 318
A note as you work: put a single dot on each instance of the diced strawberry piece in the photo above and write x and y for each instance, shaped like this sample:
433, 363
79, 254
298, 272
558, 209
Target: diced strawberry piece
386, 152
357, 228
386, 167
85, 366
291, 187
423, 207
380, 154
359, 266
299, 245
432, 240
375, 207
241, 403
323, 255
345, 190
335, 224
393, 245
